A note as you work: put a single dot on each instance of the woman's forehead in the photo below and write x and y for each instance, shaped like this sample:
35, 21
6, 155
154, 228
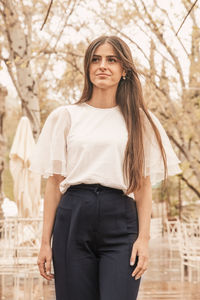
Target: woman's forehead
105, 49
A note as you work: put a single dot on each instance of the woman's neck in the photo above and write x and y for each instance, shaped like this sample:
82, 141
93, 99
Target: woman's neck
103, 98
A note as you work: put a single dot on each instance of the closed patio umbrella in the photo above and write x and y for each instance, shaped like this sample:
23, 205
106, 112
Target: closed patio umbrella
26, 183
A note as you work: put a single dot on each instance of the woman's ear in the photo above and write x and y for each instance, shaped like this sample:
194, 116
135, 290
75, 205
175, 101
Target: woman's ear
124, 73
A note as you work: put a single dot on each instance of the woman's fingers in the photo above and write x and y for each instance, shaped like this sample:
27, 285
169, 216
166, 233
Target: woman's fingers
48, 268
42, 265
44, 262
140, 268
141, 272
133, 256
140, 248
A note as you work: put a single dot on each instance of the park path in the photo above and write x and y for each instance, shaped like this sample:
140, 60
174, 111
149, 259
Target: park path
162, 280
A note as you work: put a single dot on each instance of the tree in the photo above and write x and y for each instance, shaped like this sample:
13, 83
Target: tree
28, 53
18, 62
3, 94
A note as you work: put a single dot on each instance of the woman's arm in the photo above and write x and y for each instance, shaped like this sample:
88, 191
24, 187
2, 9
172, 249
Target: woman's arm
51, 201
143, 199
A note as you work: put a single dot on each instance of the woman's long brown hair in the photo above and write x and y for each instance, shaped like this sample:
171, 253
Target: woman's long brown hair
130, 100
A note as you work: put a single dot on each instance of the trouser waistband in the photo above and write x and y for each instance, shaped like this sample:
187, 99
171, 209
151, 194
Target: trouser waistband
94, 187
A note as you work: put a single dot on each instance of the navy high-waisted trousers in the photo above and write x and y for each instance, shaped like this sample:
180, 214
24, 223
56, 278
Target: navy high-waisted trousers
94, 231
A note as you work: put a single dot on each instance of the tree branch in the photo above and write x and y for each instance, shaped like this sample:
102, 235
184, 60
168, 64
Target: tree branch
190, 185
186, 17
153, 26
48, 11
59, 36
172, 26
119, 31
6, 61
160, 53
178, 145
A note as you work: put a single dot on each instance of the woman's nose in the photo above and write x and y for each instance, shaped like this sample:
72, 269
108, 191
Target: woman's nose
103, 64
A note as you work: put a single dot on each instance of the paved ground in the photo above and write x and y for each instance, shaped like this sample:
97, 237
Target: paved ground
162, 281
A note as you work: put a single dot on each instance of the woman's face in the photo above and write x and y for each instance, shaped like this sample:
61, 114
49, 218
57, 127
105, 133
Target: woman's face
105, 69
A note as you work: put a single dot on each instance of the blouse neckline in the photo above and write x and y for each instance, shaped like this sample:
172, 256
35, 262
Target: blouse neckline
99, 108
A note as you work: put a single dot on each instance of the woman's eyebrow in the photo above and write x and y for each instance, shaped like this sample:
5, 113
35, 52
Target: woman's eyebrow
106, 55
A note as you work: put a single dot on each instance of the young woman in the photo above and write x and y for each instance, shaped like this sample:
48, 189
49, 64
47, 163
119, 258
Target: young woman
101, 155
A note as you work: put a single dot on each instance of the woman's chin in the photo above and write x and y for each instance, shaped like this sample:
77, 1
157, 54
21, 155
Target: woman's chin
102, 85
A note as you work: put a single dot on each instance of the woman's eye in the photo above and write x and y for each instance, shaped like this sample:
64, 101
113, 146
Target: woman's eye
95, 59
112, 60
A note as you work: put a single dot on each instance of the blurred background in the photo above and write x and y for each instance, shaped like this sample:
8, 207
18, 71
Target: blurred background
42, 44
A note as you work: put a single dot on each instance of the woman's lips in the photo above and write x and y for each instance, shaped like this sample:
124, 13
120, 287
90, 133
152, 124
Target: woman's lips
102, 74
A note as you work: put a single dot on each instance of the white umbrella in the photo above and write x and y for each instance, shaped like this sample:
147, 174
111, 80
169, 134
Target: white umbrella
26, 183
9, 208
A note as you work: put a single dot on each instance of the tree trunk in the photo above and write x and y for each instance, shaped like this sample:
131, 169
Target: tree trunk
3, 94
20, 54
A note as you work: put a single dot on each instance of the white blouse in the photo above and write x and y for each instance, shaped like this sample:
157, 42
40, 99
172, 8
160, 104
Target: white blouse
86, 144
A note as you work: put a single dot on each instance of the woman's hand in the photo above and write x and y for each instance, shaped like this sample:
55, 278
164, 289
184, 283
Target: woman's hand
44, 261
140, 249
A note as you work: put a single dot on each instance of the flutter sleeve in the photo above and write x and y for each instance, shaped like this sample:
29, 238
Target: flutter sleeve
49, 155
154, 166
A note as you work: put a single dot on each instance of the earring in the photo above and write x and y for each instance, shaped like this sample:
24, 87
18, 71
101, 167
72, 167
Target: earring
124, 77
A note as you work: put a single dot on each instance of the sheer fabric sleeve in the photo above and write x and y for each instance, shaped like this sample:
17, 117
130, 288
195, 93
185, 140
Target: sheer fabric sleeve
49, 155
154, 166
